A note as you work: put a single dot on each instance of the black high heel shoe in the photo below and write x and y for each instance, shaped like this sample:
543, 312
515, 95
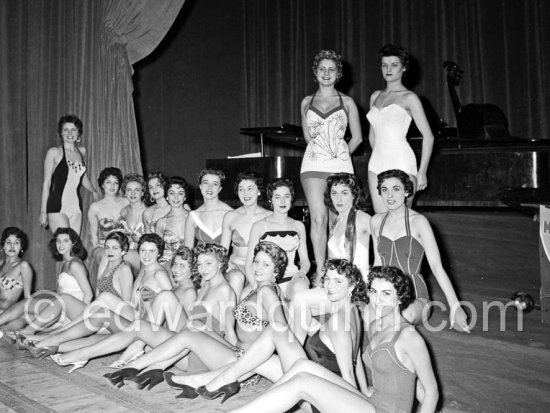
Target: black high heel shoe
149, 379
188, 392
227, 390
117, 377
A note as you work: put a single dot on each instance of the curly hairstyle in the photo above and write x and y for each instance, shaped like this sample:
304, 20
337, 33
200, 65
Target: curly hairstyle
78, 249
69, 119
211, 171
249, 176
19, 234
121, 238
277, 255
132, 177
106, 173
155, 239
179, 181
401, 282
398, 174
186, 254
352, 273
330, 55
156, 175
393, 50
211, 248
349, 180
278, 183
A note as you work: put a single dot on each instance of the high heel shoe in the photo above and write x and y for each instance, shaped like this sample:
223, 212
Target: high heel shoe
227, 390
119, 364
117, 377
188, 392
42, 352
149, 379
74, 365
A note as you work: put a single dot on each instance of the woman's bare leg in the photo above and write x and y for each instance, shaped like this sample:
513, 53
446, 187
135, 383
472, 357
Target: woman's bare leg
59, 220
13, 313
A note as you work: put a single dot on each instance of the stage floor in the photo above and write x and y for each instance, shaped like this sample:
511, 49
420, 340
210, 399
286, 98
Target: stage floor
489, 255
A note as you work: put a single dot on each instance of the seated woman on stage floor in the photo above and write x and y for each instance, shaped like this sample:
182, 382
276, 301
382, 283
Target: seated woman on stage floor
237, 224
104, 215
131, 216
156, 189
172, 227
401, 236
334, 344
287, 233
205, 223
206, 313
395, 358
15, 273
43, 310
151, 280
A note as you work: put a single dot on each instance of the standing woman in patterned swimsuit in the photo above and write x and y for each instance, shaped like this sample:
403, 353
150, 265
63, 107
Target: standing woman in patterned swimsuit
64, 172
325, 117
15, 273
156, 187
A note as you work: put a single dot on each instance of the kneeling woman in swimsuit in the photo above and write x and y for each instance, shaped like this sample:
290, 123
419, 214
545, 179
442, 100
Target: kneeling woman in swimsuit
287, 233
15, 273
400, 237
395, 348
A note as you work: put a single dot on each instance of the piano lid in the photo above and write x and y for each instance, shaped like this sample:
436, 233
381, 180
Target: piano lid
286, 134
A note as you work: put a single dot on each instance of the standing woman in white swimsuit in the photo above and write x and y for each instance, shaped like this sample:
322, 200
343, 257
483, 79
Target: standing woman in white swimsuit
64, 172
325, 117
391, 112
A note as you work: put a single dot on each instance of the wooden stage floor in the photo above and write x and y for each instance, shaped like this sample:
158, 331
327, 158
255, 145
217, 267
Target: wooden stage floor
489, 255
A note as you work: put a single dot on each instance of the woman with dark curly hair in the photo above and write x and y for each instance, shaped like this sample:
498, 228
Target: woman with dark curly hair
396, 356
391, 112
73, 289
401, 236
15, 273
334, 343
156, 190
287, 233
64, 172
325, 118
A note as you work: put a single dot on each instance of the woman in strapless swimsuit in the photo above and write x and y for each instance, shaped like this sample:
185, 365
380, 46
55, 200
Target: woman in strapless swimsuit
391, 112
237, 224
401, 236
15, 273
156, 190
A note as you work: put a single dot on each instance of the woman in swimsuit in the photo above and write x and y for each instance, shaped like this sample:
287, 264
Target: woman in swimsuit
172, 227
205, 222
391, 112
286, 232
104, 215
401, 236
46, 308
334, 343
395, 356
133, 188
325, 118
64, 171
156, 187
237, 224
258, 307
208, 314
15, 273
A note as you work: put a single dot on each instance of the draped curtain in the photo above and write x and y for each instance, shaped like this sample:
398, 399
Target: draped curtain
502, 46
76, 58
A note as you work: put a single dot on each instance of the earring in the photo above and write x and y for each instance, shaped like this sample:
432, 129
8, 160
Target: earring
349, 294
79, 139
151, 199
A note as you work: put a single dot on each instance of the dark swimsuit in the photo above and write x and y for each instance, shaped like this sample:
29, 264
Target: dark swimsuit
406, 253
105, 283
60, 183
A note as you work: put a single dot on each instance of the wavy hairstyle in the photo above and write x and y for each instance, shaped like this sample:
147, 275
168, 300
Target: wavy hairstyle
78, 249
401, 282
329, 55
179, 181
277, 255
397, 51
349, 180
249, 176
186, 254
106, 173
155, 239
216, 250
133, 177
352, 273
19, 234
121, 238
278, 183
398, 174
69, 119
211, 171
163, 181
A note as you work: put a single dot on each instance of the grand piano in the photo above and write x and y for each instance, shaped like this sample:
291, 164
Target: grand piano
463, 172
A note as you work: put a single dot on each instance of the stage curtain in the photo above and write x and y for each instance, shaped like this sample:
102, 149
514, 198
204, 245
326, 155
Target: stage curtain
76, 57
502, 46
